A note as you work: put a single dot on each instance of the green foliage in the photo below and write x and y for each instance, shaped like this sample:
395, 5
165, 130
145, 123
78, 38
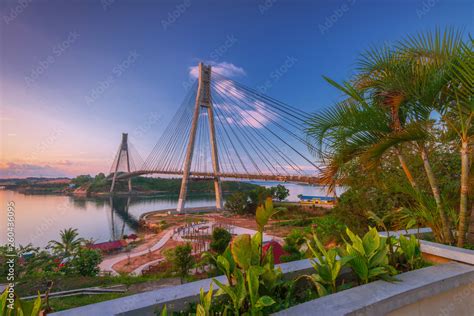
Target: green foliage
86, 262
252, 277
264, 212
327, 267
406, 117
220, 240
81, 180
247, 202
368, 256
410, 251
280, 192
205, 304
14, 306
69, 243
36, 261
181, 259
293, 243
237, 203
329, 228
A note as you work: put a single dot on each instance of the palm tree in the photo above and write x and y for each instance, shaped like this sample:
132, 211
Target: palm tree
68, 244
407, 84
443, 68
457, 112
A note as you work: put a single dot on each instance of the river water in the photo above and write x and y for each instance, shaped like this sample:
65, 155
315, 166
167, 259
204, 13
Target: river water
39, 218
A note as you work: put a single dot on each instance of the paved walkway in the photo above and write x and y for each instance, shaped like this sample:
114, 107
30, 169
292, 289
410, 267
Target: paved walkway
107, 264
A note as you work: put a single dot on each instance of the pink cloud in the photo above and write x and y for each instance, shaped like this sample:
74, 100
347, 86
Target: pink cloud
15, 170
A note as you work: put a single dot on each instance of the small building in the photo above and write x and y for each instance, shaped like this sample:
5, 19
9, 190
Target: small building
108, 246
315, 200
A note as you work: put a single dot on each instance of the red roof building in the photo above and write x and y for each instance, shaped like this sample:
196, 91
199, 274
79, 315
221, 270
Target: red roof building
108, 246
277, 250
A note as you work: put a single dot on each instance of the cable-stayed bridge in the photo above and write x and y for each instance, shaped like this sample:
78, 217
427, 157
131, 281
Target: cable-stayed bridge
224, 129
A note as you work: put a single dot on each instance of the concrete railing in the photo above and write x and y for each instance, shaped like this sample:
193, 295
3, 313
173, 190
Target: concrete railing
446, 289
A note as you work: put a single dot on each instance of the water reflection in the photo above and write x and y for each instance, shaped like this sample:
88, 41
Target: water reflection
39, 218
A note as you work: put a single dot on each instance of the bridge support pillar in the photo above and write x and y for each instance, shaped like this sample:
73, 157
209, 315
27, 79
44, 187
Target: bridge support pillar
203, 99
123, 149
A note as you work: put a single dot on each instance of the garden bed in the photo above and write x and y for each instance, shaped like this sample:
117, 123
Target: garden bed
443, 288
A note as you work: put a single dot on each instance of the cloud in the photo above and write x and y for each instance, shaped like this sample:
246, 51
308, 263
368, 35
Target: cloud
15, 170
224, 68
255, 114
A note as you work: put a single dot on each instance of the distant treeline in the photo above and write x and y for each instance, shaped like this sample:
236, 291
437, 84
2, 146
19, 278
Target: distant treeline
100, 184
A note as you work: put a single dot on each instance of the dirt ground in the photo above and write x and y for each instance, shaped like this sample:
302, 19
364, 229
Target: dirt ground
135, 262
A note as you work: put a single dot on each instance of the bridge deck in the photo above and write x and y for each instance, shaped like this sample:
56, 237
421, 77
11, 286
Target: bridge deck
263, 177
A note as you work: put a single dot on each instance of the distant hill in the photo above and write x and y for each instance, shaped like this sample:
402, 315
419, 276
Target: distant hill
86, 184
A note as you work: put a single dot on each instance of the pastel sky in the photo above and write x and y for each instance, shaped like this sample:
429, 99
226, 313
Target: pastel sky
74, 75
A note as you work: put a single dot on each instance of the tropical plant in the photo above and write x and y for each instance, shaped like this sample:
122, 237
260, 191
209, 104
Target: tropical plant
251, 277
327, 267
69, 243
294, 242
10, 304
368, 256
389, 109
457, 112
411, 252
205, 304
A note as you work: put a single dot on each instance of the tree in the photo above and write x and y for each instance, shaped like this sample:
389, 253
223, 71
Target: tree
258, 197
181, 259
280, 192
457, 112
86, 262
237, 203
81, 180
69, 243
220, 240
388, 110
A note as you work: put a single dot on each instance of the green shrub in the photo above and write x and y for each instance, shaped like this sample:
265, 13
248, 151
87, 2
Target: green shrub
293, 243
86, 262
329, 228
220, 240
181, 259
368, 256
237, 203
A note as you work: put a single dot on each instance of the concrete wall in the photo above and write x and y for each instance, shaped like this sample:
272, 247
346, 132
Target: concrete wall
458, 301
416, 289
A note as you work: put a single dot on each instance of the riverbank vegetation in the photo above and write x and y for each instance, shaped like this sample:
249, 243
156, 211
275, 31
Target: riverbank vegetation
99, 185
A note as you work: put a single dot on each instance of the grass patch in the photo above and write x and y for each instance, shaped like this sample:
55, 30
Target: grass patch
31, 285
62, 303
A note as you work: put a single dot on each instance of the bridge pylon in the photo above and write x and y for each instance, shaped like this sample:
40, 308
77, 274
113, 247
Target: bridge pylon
203, 100
123, 153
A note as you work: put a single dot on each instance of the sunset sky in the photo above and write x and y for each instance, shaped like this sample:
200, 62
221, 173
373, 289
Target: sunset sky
75, 75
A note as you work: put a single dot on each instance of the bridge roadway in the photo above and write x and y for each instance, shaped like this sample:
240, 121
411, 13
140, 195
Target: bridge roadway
264, 177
